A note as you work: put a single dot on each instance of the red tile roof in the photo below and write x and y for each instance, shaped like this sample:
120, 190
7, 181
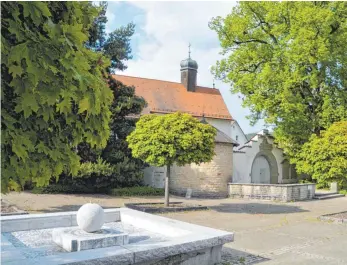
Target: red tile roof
167, 97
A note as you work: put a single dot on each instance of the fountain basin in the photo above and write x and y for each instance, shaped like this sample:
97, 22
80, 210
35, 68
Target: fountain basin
27, 239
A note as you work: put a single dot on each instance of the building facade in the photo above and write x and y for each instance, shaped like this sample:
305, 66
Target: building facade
259, 160
204, 103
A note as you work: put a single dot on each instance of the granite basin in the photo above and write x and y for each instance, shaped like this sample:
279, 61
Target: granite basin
27, 239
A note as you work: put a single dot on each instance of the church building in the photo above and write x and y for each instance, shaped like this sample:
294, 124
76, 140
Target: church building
206, 104
236, 159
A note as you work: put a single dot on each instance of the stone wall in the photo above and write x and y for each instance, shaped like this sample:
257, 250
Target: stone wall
278, 192
207, 179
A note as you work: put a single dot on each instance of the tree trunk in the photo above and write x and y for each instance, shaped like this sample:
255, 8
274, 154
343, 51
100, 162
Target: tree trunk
167, 179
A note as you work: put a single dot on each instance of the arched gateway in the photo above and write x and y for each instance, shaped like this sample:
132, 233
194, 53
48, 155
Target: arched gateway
264, 166
260, 170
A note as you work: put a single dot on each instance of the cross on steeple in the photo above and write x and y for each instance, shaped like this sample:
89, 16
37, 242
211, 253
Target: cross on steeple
189, 50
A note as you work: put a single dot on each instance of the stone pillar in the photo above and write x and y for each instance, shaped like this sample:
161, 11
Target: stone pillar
334, 187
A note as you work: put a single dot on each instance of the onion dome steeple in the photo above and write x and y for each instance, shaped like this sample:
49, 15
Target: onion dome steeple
189, 69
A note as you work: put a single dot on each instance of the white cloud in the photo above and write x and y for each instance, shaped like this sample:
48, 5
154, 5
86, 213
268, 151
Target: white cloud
168, 28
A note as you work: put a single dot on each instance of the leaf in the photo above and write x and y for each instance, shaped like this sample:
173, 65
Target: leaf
36, 10
64, 106
84, 105
19, 52
15, 70
28, 104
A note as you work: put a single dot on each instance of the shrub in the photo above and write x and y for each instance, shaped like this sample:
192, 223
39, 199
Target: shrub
63, 189
137, 191
324, 157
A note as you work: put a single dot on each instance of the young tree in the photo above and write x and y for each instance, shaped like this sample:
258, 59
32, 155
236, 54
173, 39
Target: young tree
54, 92
324, 157
289, 61
162, 140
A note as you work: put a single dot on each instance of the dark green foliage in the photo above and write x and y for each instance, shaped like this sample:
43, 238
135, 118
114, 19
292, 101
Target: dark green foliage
137, 191
117, 46
75, 189
62, 189
97, 34
54, 94
124, 170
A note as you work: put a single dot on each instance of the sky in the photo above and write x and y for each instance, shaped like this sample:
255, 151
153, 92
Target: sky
162, 35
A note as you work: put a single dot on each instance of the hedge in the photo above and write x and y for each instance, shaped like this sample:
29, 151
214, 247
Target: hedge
137, 191
129, 191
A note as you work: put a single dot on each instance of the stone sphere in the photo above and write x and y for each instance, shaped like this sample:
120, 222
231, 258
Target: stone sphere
90, 217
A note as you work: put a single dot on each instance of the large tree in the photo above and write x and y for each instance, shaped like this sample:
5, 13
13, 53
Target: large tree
165, 140
289, 61
54, 92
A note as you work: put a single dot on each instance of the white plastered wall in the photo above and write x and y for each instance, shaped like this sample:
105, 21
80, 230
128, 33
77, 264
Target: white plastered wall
242, 162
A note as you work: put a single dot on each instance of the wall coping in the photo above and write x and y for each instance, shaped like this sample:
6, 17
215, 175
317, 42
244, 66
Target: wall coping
273, 185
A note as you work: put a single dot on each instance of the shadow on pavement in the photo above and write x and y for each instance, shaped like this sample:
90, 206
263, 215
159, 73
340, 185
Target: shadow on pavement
236, 257
256, 208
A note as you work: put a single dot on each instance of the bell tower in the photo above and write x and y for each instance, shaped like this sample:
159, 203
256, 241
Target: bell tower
189, 69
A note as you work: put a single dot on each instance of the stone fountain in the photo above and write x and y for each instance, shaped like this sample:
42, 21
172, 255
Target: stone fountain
111, 236
90, 233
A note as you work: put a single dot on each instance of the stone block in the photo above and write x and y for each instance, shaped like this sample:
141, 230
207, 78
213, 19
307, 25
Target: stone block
75, 239
334, 187
48, 222
15, 225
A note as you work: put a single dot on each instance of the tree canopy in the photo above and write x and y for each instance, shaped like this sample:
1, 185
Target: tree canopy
162, 140
324, 157
289, 61
54, 92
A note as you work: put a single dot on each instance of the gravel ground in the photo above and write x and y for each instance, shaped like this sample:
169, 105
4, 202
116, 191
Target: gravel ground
7, 208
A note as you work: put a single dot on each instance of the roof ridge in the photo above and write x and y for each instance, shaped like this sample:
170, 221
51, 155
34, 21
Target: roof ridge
147, 78
161, 80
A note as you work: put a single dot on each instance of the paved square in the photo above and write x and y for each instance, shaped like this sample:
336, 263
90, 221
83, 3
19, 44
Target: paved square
266, 233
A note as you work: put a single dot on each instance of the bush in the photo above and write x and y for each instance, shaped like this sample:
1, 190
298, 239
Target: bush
97, 177
137, 191
128, 191
64, 189
324, 157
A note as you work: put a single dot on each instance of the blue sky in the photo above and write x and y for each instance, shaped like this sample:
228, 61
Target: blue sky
163, 32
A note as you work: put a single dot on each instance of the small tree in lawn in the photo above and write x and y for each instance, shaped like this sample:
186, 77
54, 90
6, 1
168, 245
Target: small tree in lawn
164, 140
